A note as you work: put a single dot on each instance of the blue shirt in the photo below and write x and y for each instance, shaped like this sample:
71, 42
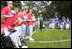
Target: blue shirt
56, 19
63, 19
68, 22
52, 21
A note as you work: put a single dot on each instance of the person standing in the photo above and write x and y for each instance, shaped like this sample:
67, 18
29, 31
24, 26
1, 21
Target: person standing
24, 23
67, 23
41, 22
6, 12
30, 24
17, 22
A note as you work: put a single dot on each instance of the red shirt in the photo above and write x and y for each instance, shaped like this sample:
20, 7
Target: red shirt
15, 18
24, 16
12, 20
30, 17
7, 11
3, 27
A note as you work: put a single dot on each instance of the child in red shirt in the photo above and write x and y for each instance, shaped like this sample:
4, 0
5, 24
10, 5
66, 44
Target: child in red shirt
17, 24
24, 23
30, 24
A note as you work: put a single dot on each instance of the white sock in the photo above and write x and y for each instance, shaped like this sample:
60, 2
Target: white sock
19, 43
16, 44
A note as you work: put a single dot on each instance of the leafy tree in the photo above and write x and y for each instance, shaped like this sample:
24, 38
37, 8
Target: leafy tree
3, 4
17, 4
63, 7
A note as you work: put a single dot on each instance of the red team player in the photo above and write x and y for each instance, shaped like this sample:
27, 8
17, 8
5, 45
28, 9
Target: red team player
6, 12
16, 23
30, 24
24, 23
17, 18
16, 26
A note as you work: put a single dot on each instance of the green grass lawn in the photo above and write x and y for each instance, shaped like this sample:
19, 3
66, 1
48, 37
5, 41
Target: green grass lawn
51, 35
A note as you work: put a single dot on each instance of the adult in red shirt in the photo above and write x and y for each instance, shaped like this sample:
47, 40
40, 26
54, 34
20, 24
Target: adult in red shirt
8, 20
6, 12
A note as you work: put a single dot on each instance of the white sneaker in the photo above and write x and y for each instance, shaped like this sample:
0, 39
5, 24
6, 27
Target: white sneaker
27, 37
24, 47
31, 39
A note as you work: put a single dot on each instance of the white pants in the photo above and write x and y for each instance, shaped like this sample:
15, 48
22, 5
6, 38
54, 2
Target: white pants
23, 34
50, 25
14, 38
61, 27
38, 24
6, 32
53, 25
67, 26
19, 30
30, 30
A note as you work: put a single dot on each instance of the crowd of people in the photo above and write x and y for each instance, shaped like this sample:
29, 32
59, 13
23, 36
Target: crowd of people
61, 23
16, 23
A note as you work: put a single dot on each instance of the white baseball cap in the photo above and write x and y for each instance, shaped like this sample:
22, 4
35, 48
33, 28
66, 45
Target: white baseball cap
9, 2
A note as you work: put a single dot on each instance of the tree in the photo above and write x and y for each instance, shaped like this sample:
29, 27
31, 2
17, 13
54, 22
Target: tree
3, 4
30, 4
17, 4
63, 7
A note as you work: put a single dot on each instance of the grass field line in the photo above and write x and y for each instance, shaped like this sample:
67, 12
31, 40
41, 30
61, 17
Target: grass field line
49, 29
49, 41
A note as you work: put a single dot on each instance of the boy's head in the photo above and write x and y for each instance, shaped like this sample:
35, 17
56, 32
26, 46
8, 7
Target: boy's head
16, 9
30, 10
10, 3
20, 12
24, 10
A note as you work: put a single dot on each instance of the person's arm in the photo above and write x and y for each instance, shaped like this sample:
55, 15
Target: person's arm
20, 21
16, 21
30, 20
24, 20
4, 12
7, 16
